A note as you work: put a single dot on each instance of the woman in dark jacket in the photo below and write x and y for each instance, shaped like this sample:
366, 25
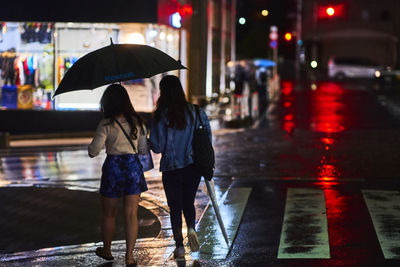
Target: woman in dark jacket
171, 135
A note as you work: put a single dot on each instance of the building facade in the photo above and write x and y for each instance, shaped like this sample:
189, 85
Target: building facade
351, 28
43, 40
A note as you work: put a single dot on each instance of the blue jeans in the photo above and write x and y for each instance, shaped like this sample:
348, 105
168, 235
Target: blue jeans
180, 187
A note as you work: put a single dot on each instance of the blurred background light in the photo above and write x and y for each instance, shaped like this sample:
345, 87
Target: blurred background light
314, 64
264, 12
136, 38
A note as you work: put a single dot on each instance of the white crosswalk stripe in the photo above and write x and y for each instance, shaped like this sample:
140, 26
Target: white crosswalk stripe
384, 208
305, 223
304, 231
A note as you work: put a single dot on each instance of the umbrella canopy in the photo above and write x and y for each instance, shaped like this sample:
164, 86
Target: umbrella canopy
116, 63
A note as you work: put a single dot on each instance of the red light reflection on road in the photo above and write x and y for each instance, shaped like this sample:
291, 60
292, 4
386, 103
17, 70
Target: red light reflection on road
288, 117
334, 210
287, 88
327, 140
288, 124
327, 108
328, 116
327, 172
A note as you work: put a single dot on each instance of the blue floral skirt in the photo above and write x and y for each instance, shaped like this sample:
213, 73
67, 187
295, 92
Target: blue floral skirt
122, 175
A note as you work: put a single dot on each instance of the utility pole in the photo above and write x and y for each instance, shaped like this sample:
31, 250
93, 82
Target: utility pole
299, 41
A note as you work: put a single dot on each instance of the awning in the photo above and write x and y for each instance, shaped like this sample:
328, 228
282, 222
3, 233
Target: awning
79, 11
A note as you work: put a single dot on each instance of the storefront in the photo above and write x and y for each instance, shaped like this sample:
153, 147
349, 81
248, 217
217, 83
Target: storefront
35, 56
67, 31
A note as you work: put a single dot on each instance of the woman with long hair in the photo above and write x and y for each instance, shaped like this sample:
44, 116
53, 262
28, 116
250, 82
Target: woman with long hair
171, 135
122, 174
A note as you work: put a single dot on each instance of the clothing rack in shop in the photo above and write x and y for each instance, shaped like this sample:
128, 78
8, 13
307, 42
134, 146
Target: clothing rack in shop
8, 54
73, 51
22, 52
31, 52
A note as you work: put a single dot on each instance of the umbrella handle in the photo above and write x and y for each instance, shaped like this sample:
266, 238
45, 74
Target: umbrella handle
210, 189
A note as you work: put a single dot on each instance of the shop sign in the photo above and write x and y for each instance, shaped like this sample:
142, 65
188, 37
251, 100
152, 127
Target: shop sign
176, 20
25, 97
9, 96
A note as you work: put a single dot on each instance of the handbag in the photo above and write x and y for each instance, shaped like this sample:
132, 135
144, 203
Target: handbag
145, 159
203, 151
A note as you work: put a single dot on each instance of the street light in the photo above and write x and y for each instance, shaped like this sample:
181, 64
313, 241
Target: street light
314, 64
264, 12
242, 21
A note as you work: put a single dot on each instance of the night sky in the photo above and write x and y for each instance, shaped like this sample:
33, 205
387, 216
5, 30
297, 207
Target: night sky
252, 38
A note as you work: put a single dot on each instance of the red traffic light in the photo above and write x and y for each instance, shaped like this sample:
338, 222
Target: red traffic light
288, 36
330, 11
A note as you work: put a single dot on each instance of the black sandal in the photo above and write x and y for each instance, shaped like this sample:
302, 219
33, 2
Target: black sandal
99, 252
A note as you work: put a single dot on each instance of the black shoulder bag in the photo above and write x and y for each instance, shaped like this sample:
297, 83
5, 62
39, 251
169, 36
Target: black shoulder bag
203, 152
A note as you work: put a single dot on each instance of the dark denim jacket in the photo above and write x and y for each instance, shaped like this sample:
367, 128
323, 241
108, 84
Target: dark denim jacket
175, 145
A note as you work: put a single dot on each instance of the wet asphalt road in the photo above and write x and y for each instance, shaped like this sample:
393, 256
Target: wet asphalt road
321, 170
334, 139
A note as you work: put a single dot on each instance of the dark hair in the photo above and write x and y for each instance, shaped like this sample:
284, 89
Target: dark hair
172, 99
114, 102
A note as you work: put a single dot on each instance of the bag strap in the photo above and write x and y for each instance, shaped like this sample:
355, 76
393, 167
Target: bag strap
126, 135
195, 109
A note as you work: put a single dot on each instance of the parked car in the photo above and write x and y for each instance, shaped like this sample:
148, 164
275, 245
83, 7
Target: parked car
341, 68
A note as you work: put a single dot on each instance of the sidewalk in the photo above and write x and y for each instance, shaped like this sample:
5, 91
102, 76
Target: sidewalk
61, 228
74, 213
32, 235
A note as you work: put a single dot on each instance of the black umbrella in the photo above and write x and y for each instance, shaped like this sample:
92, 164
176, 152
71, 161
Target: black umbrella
116, 63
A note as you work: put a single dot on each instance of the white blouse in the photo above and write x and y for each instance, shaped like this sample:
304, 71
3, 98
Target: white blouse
115, 141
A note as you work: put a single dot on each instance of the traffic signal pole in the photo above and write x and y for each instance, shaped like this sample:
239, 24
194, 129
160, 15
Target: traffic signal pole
273, 36
298, 37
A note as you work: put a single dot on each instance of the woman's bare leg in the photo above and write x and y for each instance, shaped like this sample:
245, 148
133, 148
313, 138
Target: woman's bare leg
108, 224
131, 203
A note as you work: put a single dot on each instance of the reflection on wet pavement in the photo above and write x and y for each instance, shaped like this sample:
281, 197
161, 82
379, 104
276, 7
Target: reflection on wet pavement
73, 169
328, 110
49, 166
320, 134
213, 245
326, 115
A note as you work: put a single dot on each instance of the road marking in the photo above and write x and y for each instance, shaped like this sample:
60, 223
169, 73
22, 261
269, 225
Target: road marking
212, 242
300, 179
384, 208
305, 229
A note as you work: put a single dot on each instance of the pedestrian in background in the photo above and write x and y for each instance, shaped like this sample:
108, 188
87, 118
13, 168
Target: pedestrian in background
262, 80
122, 174
171, 135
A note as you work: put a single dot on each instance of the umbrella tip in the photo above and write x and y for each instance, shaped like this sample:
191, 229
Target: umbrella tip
111, 40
